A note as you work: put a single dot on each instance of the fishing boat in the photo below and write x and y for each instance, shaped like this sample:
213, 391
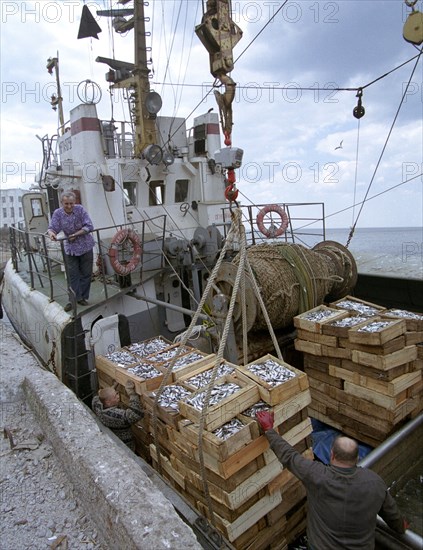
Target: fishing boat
172, 237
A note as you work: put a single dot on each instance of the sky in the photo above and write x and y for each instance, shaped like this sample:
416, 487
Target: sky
300, 139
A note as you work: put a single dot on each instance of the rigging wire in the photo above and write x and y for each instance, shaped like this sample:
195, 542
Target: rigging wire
383, 148
357, 152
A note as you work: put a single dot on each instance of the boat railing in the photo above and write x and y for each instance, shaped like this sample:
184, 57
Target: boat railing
42, 263
305, 222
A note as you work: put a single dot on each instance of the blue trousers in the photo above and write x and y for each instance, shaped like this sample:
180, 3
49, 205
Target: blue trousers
80, 269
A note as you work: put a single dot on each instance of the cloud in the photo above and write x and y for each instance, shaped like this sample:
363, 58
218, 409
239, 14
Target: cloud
287, 116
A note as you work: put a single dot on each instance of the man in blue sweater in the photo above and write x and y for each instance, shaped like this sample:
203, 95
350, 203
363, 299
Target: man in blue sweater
343, 499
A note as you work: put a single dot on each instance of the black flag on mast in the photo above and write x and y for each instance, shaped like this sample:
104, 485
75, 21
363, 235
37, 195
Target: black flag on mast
88, 26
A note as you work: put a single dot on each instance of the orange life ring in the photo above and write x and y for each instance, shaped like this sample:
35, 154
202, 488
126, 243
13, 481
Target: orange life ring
272, 231
121, 236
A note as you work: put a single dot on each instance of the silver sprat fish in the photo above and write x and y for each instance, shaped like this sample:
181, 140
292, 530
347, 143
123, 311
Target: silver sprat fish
271, 372
363, 309
257, 407
142, 349
347, 322
218, 393
202, 379
375, 326
171, 396
121, 358
228, 429
144, 370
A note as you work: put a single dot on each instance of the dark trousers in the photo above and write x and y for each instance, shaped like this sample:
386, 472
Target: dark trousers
80, 269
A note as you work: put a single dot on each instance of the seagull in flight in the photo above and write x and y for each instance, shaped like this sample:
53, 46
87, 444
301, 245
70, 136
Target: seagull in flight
340, 145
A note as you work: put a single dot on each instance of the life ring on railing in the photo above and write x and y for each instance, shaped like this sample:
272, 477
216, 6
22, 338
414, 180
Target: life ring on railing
121, 236
272, 231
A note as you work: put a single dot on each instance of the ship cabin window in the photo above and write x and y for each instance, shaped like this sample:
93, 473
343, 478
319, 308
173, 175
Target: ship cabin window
11, 199
156, 195
37, 208
130, 190
12, 212
3, 199
181, 190
4, 212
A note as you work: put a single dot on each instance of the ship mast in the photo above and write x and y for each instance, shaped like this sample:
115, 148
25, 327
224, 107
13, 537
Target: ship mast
144, 120
135, 77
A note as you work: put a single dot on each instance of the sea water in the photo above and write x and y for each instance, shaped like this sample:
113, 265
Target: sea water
396, 252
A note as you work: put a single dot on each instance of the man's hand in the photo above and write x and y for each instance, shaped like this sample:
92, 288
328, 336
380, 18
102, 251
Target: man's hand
266, 419
129, 387
52, 236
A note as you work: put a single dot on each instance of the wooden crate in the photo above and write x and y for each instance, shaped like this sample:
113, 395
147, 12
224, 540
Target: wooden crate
286, 410
316, 337
305, 346
169, 415
340, 327
142, 384
164, 357
385, 362
188, 363
148, 347
388, 347
413, 321
275, 394
227, 408
108, 365
198, 378
376, 333
216, 446
313, 319
357, 306
391, 388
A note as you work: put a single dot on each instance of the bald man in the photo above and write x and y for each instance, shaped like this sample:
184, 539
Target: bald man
106, 405
343, 499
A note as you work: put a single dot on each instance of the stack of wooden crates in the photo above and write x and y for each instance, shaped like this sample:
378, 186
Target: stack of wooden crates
255, 503
364, 364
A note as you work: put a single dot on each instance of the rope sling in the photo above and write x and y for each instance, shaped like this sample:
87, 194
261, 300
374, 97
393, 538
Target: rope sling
235, 234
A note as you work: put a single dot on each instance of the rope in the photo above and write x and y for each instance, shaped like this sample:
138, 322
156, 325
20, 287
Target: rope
305, 278
184, 340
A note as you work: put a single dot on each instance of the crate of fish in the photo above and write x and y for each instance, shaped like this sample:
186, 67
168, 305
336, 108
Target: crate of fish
145, 375
276, 380
358, 307
376, 332
187, 363
340, 327
166, 355
148, 347
201, 376
228, 397
413, 321
168, 403
313, 319
119, 358
224, 441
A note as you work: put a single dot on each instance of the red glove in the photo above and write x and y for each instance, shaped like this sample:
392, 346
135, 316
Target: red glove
266, 419
406, 525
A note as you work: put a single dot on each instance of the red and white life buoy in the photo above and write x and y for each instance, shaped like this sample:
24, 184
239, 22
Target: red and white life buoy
121, 236
272, 230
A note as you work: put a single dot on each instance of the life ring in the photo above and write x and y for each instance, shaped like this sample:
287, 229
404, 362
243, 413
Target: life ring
272, 231
121, 236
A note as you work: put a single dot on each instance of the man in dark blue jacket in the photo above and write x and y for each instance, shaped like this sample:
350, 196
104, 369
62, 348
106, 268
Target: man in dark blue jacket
343, 499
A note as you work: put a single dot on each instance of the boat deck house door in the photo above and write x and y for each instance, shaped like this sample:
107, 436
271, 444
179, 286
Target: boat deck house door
105, 336
34, 206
